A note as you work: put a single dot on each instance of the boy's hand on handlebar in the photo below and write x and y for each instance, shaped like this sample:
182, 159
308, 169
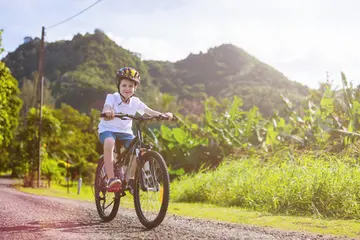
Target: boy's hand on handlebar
168, 115
109, 115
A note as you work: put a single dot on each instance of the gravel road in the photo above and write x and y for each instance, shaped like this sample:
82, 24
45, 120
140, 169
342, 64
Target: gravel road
26, 216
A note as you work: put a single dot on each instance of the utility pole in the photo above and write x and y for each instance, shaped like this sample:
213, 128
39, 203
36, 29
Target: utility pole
41, 83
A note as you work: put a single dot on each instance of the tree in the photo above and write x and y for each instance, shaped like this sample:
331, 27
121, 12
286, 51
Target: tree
27, 154
29, 96
10, 105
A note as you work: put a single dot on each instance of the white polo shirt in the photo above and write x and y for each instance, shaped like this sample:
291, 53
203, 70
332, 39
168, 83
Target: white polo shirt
118, 125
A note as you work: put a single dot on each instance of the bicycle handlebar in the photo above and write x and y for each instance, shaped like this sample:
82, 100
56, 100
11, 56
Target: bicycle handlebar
125, 116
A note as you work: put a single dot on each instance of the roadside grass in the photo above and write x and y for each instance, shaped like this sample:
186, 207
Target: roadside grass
348, 228
5, 174
326, 186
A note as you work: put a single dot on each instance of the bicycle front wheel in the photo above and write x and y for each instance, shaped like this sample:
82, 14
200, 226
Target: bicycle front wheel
152, 190
107, 203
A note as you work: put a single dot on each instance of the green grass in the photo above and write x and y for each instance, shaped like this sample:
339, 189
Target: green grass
306, 185
7, 173
350, 228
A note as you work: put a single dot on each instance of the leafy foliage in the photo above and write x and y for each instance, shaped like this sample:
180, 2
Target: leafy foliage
67, 136
30, 94
328, 122
302, 184
10, 105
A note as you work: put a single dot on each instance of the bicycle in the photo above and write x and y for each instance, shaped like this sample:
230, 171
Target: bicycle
146, 179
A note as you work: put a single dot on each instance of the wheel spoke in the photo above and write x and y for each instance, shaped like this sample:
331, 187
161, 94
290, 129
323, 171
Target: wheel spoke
151, 205
105, 211
109, 204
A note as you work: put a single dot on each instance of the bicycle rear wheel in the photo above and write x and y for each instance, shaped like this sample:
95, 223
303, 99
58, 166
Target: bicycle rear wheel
107, 203
152, 190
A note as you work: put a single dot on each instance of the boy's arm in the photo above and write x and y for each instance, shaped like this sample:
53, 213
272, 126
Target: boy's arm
109, 112
108, 109
151, 112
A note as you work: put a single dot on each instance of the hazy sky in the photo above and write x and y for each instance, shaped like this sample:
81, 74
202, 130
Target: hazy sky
302, 39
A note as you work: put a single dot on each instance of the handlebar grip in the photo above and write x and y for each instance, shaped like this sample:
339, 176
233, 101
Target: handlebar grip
161, 117
167, 118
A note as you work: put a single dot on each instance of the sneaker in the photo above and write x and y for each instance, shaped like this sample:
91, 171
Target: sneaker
113, 185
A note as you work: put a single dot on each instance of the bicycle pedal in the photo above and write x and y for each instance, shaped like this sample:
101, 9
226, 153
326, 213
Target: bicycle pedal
114, 188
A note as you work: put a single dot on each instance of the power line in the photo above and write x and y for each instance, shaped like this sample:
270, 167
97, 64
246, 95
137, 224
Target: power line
57, 24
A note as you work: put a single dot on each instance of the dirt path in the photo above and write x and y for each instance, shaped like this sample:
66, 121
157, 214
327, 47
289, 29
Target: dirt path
26, 216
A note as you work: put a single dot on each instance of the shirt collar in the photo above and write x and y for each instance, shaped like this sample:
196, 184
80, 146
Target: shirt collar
119, 100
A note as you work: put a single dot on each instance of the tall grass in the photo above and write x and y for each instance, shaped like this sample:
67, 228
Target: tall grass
299, 185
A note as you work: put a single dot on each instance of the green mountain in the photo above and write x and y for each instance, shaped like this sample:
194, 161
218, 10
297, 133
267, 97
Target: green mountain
225, 71
81, 72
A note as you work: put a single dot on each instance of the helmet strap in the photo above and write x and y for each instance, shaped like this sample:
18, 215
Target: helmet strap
125, 100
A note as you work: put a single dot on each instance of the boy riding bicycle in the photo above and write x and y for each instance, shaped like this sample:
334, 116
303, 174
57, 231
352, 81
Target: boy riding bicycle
111, 129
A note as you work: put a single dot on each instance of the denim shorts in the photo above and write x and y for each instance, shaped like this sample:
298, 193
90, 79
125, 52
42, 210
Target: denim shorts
124, 138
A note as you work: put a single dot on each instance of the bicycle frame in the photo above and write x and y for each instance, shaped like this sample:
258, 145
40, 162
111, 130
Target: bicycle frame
125, 158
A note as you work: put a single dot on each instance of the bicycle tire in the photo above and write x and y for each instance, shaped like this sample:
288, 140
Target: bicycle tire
165, 194
98, 187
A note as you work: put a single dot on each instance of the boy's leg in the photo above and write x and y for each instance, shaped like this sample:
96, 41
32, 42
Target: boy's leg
108, 156
126, 140
108, 140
